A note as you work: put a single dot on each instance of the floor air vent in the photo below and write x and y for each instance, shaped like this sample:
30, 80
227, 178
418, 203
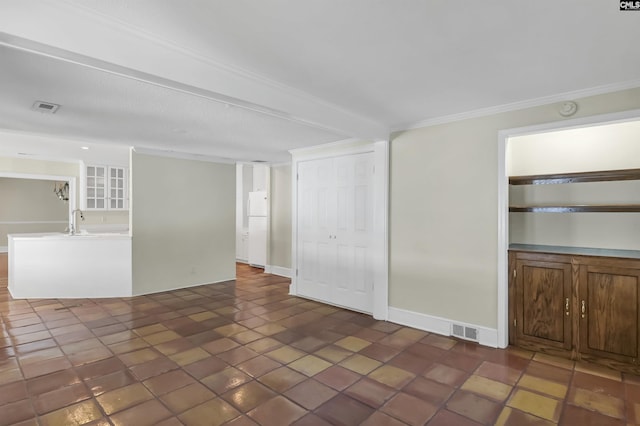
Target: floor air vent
467, 333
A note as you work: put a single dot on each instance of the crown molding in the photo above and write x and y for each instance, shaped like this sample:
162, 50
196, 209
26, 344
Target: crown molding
531, 103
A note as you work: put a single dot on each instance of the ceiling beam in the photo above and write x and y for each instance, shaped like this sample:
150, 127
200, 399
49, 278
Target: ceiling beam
67, 32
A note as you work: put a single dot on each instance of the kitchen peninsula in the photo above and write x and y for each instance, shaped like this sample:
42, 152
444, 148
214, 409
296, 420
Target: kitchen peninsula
57, 265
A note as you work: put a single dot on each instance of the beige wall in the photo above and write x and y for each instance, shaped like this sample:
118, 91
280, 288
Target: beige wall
443, 210
183, 222
280, 236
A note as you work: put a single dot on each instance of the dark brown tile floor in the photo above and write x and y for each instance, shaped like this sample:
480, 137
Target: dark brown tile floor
245, 353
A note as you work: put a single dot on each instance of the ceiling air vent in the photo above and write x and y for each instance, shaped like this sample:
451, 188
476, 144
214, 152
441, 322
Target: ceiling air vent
46, 107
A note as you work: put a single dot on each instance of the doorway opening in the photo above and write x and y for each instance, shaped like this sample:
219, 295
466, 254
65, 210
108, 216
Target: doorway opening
33, 203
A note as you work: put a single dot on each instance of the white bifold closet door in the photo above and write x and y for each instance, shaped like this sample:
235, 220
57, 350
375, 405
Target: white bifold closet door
335, 234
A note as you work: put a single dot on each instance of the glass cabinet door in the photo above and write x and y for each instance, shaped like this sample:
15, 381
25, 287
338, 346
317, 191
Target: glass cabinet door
96, 187
117, 196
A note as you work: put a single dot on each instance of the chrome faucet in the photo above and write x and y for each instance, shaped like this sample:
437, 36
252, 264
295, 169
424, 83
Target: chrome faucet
73, 227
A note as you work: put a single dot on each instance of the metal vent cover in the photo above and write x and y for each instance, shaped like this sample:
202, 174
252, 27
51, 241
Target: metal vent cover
463, 332
45, 107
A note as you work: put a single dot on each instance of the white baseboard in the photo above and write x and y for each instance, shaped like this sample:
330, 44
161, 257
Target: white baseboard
278, 270
4, 249
433, 324
185, 286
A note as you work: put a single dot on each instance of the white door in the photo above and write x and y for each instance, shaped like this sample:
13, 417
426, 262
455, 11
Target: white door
335, 231
315, 182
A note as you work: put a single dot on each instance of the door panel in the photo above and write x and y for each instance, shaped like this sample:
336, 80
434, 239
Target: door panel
343, 275
542, 296
354, 230
360, 283
315, 221
361, 203
609, 325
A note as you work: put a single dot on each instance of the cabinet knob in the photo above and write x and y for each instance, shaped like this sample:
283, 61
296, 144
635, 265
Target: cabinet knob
566, 306
583, 309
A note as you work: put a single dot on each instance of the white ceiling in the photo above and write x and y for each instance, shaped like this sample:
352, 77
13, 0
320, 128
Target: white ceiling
250, 80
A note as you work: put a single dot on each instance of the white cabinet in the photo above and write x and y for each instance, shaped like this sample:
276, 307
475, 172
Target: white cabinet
105, 188
257, 247
242, 246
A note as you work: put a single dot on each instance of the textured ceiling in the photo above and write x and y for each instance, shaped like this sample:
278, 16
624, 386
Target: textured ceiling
324, 70
98, 106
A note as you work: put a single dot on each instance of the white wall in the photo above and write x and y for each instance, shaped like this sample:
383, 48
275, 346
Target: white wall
444, 215
604, 147
183, 222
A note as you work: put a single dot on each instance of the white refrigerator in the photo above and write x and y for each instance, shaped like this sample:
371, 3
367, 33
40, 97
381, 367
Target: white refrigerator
257, 212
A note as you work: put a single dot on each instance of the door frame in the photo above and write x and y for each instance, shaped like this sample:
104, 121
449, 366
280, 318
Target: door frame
380, 262
55, 178
503, 198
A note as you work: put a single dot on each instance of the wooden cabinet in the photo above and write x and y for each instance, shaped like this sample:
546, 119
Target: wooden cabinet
576, 305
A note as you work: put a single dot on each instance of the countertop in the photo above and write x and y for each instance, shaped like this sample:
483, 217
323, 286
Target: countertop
65, 236
579, 251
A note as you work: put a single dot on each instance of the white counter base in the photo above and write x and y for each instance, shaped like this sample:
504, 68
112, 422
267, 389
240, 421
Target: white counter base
62, 266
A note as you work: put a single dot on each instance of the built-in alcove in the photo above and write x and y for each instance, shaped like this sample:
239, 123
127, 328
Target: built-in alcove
576, 187
574, 246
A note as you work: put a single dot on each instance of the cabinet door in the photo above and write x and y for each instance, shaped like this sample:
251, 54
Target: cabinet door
609, 312
96, 185
543, 299
316, 223
117, 188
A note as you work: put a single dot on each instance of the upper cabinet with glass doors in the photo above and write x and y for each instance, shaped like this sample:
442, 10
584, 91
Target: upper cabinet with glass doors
105, 188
